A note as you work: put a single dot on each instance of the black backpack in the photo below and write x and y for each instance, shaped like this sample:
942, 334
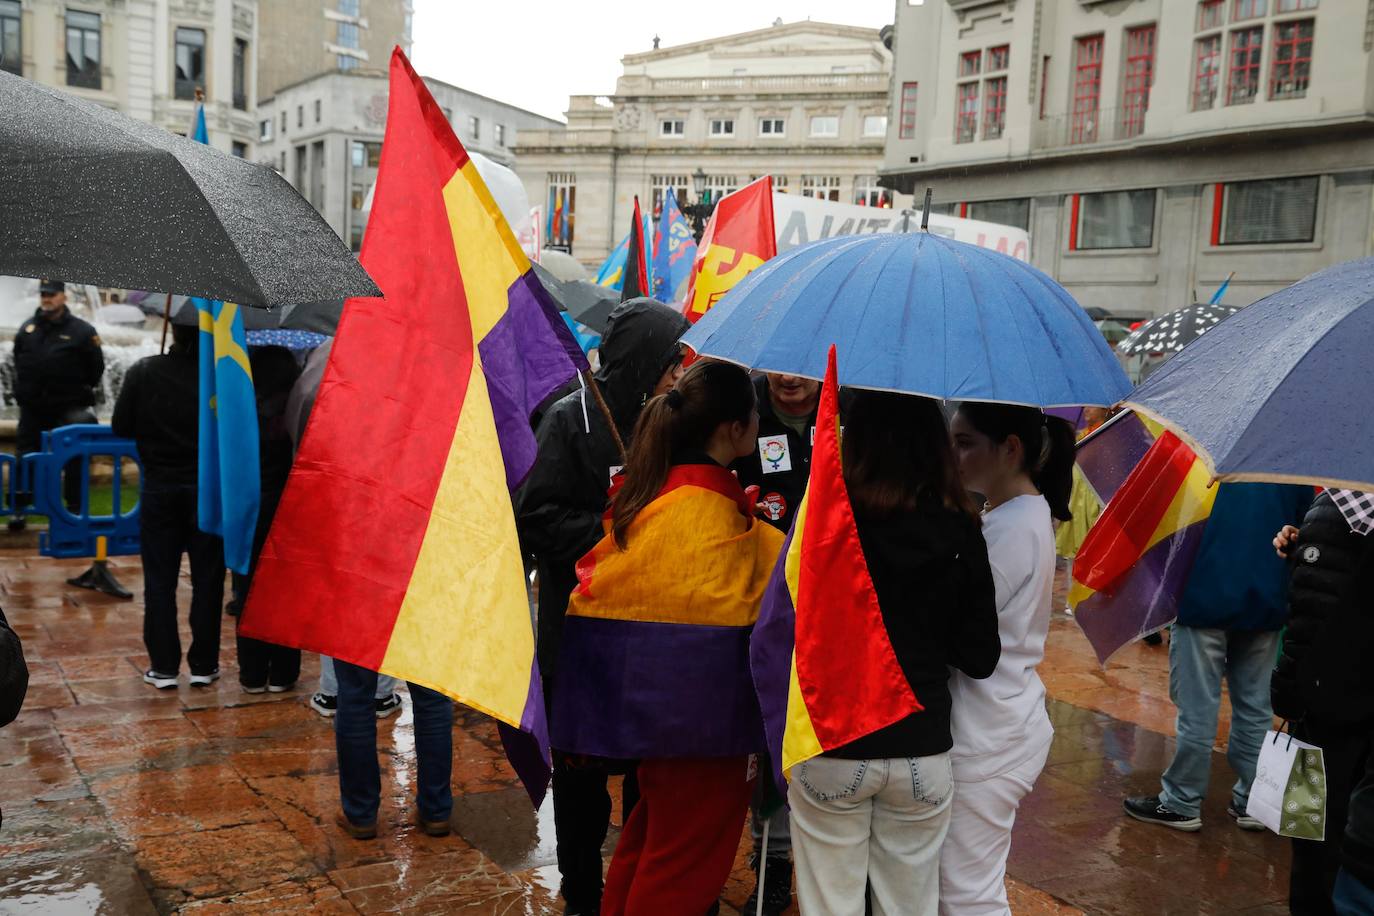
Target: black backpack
14, 674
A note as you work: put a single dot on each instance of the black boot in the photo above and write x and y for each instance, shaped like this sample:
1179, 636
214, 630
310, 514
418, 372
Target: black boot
777, 886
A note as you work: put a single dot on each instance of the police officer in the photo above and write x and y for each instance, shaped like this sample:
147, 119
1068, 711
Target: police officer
57, 366
779, 467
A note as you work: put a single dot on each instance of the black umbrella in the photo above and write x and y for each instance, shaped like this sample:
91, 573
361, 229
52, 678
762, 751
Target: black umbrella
90, 196
586, 302
1172, 332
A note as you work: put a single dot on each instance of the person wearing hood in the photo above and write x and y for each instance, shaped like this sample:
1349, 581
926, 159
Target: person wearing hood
559, 512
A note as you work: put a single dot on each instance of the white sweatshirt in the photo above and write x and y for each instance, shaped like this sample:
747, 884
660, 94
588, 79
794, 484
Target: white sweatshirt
1000, 721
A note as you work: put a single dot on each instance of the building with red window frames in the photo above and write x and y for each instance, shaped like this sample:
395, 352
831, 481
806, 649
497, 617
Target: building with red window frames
1150, 147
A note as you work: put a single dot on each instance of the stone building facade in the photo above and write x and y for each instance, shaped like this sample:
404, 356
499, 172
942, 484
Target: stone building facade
1151, 147
805, 102
303, 39
144, 58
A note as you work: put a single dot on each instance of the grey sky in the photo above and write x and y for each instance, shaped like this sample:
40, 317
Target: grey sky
535, 53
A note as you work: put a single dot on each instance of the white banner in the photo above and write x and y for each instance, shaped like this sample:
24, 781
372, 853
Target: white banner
798, 220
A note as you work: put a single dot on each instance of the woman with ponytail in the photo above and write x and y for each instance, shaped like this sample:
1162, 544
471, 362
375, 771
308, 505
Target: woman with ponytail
655, 657
1021, 462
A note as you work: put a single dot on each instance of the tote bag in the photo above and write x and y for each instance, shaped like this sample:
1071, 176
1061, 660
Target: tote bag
1289, 792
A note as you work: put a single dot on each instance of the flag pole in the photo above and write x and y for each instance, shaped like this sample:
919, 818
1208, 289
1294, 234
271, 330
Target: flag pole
606, 412
763, 866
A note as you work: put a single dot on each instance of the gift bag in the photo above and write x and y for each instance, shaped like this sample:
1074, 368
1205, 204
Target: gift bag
1289, 792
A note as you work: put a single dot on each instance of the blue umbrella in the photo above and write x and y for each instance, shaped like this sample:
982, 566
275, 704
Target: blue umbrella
1279, 392
915, 313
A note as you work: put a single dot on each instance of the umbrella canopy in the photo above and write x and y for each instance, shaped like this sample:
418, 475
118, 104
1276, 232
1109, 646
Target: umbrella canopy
1279, 391
1172, 332
915, 313
562, 265
90, 196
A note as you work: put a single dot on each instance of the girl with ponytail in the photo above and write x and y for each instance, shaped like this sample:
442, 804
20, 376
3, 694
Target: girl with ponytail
1021, 462
655, 656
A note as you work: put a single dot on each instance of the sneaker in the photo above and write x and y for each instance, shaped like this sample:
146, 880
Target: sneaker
159, 680
261, 688
280, 688
387, 705
1151, 810
1243, 820
777, 887
204, 680
324, 704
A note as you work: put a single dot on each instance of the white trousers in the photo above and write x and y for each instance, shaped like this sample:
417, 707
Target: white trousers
973, 862
878, 823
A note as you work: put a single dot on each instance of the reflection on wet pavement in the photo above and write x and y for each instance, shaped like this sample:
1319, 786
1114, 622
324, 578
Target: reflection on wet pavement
118, 798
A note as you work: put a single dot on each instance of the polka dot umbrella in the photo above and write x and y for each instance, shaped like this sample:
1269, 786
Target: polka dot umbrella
1172, 332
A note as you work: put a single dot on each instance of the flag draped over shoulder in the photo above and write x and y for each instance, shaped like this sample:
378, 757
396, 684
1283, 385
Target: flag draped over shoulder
394, 546
674, 251
229, 485
738, 238
823, 664
1131, 571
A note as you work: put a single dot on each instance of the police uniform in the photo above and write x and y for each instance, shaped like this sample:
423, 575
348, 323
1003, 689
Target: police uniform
781, 461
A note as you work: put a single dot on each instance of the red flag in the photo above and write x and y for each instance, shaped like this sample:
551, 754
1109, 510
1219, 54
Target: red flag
636, 283
738, 238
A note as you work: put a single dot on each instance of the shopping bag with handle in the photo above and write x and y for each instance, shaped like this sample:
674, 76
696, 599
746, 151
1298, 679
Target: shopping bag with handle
1289, 792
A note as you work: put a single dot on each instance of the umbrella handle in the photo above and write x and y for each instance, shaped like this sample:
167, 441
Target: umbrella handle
166, 320
606, 412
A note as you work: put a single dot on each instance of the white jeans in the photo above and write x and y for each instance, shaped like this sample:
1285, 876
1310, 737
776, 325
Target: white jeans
878, 823
973, 863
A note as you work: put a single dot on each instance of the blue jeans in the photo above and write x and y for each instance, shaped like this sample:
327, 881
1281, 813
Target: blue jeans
355, 738
1197, 660
329, 684
1352, 897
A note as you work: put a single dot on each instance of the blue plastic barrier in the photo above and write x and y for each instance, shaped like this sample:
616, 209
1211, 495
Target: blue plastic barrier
72, 534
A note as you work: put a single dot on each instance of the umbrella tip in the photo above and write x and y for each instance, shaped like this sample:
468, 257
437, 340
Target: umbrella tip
925, 212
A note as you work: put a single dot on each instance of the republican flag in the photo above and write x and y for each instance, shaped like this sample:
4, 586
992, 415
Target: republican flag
229, 487
738, 238
674, 251
824, 668
395, 546
636, 282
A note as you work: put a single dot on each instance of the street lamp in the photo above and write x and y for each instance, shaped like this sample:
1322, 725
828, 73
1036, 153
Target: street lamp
700, 211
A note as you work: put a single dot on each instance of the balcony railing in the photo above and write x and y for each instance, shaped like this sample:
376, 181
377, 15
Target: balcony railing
820, 82
1106, 125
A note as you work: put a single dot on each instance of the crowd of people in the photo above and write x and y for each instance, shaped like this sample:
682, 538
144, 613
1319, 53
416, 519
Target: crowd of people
956, 511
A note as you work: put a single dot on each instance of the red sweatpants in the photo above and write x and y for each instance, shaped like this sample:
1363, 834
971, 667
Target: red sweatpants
677, 848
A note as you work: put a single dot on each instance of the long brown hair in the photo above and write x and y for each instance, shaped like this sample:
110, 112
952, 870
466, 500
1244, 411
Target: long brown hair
897, 452
708, 394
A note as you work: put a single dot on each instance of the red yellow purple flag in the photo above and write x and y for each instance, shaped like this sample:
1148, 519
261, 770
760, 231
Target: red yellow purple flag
738, 238
824, 668
394, 546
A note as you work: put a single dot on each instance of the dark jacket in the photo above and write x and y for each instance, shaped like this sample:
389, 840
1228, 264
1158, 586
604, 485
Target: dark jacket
781, 475
275, 371
14, 673
57, 364
560, 505
1237, 581
1325, 670
159, 408
930, 570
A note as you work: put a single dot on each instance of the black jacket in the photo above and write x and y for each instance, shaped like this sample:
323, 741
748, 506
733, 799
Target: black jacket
782, 474
930, 570
57, 364
560, 506
159, 408
1325, 670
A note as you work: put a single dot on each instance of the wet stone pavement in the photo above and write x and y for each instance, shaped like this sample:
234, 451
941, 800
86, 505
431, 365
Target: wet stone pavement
118, 798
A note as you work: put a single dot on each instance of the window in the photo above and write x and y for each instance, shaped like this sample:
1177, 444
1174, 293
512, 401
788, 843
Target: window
351, 7
1087, 89
282, 166
283, 123
299, 183
347, 62
1211, 14
672, 127
998, 58
1139, 76
348, 34
1272, 212
1247, 9
318, 110
1013, 212
357, 196
1294, 6
906, 126
717, 186
355, 236
240, 74
11, 47
824, 187
966, 116
300, 115
825, 126
772, 127
265, 131
448, 114
875, 125
1044, 81
474, 127
83, 49
722, 127
562, 200
868, 193
190, 62
995, 109
1206, 71
365, 155
238, 149
659, 185
1242, 82
1292, 65
500, 135
970, 63
1119, 219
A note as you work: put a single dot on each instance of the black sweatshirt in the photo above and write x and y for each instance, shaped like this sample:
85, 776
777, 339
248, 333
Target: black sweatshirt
930, 570
159, 408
